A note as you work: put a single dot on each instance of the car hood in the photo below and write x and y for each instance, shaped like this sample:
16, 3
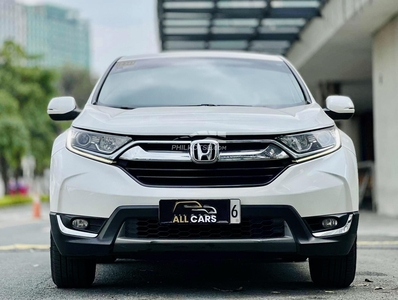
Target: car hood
202, 120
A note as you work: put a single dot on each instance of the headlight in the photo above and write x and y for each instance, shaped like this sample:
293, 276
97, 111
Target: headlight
91, 143
314, 142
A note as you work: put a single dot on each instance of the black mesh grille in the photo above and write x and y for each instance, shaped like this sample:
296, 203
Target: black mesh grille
220, 174
260, 228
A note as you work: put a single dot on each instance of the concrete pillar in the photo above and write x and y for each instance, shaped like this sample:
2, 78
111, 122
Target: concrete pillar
385, 109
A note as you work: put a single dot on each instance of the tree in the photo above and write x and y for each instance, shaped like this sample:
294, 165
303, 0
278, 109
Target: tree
26, 92
13, 135
76, 82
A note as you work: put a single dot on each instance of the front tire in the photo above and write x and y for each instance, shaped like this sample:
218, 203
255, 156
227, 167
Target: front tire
335, 271
70, 272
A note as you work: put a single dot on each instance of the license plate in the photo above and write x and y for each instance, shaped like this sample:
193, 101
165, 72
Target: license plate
199, 211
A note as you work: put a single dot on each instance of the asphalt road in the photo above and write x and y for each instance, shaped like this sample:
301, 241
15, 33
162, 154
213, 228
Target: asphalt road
25, 270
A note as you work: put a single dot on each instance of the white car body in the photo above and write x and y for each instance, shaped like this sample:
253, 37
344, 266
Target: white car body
86, 186
75, 181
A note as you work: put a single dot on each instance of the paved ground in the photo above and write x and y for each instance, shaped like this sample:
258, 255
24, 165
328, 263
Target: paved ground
25, 270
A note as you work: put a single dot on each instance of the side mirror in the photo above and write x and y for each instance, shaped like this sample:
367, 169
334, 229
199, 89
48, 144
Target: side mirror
63, 109
339, 107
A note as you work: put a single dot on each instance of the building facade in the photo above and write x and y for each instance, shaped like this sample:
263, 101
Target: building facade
55, 35
58, 36
347, 47
352, 49
12, 22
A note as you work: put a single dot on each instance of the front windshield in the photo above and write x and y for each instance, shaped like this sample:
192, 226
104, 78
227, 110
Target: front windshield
200, 81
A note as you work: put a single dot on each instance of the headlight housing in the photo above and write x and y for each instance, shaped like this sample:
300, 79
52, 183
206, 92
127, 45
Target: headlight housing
306, 145
95, 145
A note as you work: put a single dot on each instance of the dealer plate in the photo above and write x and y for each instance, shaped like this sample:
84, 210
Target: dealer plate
200, 211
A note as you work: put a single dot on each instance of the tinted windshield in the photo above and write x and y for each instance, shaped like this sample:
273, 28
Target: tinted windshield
200, 81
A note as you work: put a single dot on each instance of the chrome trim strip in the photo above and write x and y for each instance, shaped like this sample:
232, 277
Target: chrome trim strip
335, 232
138, 154
249, 156
71, 232
124, 240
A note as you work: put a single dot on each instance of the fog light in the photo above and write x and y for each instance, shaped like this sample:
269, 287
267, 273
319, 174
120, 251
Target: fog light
79, 224
329, 223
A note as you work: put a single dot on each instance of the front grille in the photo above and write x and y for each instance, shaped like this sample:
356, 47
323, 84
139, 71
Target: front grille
255, 228
219, 174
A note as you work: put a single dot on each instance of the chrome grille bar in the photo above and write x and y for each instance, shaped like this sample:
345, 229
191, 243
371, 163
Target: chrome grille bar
136, 153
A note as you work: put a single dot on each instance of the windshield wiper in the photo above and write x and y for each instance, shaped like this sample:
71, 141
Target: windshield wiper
209, 104
121, 107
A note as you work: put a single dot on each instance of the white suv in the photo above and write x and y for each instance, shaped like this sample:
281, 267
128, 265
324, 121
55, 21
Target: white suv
217, 154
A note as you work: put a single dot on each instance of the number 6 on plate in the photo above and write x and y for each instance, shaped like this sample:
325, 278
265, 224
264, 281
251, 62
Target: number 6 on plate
234, 213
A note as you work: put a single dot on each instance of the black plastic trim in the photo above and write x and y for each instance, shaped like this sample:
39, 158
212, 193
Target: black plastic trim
304, 244
69, 116
338, 116
102, 81
299, 80
118, 164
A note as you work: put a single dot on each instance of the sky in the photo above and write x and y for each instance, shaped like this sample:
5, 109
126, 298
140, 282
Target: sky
118, 27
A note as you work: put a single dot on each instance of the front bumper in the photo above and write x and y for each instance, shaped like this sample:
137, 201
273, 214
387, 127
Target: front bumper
323, 186
297, 239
